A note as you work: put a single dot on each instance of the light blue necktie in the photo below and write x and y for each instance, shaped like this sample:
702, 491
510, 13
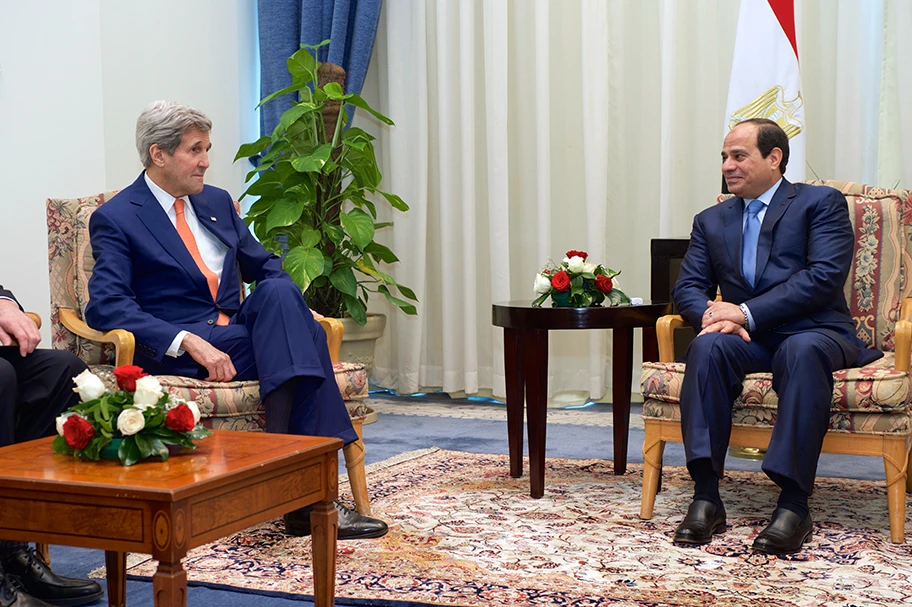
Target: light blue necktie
749, 241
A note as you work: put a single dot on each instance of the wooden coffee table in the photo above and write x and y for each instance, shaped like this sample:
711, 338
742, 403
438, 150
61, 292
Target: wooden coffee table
232, 480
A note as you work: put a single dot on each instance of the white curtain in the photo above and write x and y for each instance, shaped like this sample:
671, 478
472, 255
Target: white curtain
527, 128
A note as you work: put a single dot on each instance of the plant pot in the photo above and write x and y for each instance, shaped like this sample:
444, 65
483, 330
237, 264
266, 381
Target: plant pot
358, 342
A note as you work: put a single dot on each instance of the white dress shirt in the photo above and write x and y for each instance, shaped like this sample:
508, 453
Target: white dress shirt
211, 249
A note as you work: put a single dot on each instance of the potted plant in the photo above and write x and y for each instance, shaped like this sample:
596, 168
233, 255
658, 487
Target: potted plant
317, 182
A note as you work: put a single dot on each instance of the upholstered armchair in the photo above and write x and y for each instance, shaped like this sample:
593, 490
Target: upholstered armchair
870, 414
232, 405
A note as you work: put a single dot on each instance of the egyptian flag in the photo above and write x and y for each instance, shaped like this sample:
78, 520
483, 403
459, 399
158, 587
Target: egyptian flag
765, 77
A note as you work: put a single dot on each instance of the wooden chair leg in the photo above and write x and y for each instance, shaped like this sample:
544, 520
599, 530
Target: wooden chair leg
909, 476
653, 450
44, 551
896, 467
354, 463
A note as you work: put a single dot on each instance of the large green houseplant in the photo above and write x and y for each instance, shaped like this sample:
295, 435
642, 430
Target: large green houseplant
316, 183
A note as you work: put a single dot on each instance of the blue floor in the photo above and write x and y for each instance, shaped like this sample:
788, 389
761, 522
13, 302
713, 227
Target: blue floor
395, 434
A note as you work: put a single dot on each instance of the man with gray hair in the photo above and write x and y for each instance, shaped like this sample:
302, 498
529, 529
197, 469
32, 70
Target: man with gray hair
168, 249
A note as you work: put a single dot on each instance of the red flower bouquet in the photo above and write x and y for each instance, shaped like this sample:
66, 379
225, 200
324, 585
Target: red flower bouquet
578, 283
140, 419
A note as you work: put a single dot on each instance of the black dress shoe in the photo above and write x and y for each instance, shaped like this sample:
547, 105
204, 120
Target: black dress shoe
352, 526
12, 594
704, 518
785, 534
42, 583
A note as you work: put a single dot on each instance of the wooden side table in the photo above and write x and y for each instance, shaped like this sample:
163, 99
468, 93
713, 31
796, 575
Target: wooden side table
526, 368
232, 480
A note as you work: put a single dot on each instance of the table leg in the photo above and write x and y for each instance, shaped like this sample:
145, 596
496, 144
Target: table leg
324, 521
513, 371
116, 573
169, 585
622, 375
536, 372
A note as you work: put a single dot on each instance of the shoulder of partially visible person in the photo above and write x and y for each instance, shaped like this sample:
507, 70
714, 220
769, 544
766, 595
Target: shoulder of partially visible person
6, 294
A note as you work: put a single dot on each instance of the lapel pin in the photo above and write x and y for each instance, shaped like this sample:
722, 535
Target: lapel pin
213, 219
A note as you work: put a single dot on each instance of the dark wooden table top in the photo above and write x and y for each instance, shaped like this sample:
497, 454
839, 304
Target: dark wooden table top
521, 315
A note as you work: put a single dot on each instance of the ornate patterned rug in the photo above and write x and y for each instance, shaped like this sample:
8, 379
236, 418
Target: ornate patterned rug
463, 532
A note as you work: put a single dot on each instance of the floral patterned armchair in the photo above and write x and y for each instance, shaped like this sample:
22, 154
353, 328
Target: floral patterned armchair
232, 405
870, 414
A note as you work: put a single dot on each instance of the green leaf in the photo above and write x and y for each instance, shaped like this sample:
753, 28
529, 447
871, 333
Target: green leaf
380, 252
144, 444
315, 161
309, 237
334, 233
360, 227
406, 292
291, 115
252, 149
343, 279
356, 309
302, 66
382, 224
334, 90
538, 300
303, 265
288, 89
358, 102
402, 304
284, 213
129, 453
394, 200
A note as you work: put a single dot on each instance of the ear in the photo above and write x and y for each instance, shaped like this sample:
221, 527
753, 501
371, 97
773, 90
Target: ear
774, 158
157, 154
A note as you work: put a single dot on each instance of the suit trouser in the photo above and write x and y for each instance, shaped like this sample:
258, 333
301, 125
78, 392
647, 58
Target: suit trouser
274, 338
802, 366
34, 390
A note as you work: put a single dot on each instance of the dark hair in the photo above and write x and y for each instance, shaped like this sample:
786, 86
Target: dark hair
770, 135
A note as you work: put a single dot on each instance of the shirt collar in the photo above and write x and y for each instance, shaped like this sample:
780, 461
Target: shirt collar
767, 196
165, 199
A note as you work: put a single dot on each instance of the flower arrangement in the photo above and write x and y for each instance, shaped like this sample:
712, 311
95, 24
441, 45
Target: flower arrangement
577, 283
142, 417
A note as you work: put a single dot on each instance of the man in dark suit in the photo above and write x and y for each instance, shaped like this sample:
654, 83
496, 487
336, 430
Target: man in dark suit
36, 385
779, 253
168, 250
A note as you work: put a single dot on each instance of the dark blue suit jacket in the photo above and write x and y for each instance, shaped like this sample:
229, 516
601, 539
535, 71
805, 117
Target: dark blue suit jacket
804, 253
144, 278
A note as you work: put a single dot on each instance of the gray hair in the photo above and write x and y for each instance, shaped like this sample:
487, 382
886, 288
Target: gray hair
164, 123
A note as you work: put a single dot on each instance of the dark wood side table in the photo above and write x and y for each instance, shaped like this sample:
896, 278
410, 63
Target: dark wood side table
526, 368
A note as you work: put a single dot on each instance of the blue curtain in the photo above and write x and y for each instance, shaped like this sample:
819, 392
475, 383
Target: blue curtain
350, 25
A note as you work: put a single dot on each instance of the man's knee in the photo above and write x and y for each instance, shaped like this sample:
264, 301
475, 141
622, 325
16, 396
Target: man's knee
806, 349
272, 288
708, 347
8, 381
60, 363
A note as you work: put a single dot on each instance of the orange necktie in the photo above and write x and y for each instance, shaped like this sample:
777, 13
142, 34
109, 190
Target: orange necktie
190, 242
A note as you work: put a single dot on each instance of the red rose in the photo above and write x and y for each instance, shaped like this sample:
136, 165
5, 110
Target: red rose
603, 283
78, 432
561, 281
127, 375
573, 253
180, 419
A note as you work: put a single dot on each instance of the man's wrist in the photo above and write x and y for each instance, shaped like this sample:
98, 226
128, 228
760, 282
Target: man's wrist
746, 323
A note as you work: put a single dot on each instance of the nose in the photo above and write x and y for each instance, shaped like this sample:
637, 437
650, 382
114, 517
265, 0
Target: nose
728, 165
204, 160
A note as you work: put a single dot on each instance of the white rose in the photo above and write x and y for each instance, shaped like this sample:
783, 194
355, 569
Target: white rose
589, 267
62, 420
89, 386
130, 421
575, 264
195, 409
148, 392
542, 284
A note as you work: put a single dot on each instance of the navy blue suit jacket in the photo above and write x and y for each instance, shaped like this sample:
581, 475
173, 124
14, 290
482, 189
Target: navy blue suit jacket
804, 253
144, 278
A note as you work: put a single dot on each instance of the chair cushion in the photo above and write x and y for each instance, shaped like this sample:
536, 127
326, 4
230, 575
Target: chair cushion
861, 396
352, 381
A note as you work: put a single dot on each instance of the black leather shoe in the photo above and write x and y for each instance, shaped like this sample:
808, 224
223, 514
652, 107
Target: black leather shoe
352, 526
12, 594
41, 583
785, 534
704, 518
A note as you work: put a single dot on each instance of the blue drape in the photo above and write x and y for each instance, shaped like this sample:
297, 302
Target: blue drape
350, 25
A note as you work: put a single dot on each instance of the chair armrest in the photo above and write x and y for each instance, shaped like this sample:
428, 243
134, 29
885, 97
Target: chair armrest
35, 318
123, 340
902, 337
665, 330
334, 332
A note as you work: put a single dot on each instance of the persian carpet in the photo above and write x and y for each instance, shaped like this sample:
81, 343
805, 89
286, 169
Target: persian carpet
463, 532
